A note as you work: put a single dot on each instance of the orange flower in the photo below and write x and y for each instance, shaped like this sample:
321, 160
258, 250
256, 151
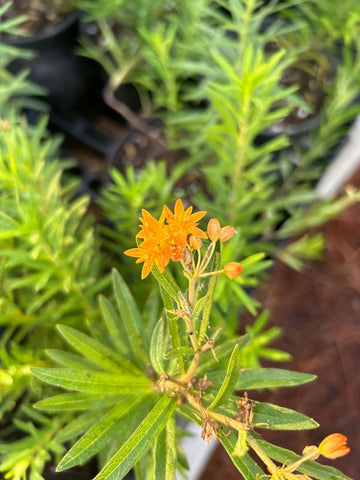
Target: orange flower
183, 222
165, 238
149, 255
233, 269
334, 446
150, 228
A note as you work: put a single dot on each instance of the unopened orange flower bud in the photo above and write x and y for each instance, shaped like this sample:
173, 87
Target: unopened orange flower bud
226, 233
213, 229
195, 242
233, 269
334, 446
176, 254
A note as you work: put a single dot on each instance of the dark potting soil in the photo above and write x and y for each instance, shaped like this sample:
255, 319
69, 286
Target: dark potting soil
41, 14
319, 312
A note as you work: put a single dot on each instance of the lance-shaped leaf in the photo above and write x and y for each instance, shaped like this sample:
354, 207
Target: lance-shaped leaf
165, 454
156, 352
77, 401
139, 442
245, 464
273, 417
114, 325
71, 360
173, 326
209, 296
95, 351
258, 378
99, 434
94, 382
228, 385
131, 319
77, 427
310, 468
167, 282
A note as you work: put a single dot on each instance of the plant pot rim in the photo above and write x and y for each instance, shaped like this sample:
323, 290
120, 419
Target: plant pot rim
46, 34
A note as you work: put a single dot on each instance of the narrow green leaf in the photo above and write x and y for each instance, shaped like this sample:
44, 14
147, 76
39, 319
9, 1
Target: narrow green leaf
249, 303
90, 381
77, 401
114, 325
129, 424
165, 453
99, 434
172, 322
157, 347
139, 442
228, 385
273, 417
68, 359
95, 351
258, 378
209, 297
131, 320
167, 282
310, 468
77, 427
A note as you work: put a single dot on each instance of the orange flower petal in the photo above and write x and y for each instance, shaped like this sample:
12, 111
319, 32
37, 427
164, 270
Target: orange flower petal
134, 252
146, 269
198, 232
179, 208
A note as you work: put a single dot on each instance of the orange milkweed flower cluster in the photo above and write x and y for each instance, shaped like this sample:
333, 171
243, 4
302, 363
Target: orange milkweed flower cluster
172, 236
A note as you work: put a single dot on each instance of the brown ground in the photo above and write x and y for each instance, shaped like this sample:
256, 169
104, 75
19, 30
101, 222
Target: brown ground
319, 311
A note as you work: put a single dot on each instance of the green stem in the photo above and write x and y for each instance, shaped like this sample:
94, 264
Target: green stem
229, 422
272, 468
192, 292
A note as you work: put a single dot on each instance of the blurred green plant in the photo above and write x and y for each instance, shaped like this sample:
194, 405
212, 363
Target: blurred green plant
50, 269
225, 63
14, 87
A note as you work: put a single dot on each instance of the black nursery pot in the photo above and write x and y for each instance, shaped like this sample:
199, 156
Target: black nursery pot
67, 77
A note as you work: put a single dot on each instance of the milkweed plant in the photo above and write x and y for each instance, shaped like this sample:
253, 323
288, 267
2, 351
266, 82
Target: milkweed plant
139, 352
145, 373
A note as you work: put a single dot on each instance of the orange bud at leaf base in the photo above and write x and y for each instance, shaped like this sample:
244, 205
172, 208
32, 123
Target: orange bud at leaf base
213, 229
226, 233
334, 446
233, 269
